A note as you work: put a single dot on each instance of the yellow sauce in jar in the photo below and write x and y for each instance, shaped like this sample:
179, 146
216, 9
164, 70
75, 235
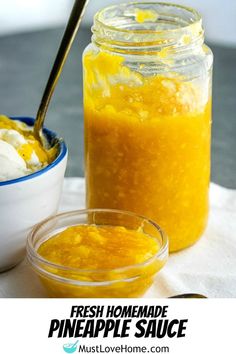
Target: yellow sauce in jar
103, 257
147, 141
145, 15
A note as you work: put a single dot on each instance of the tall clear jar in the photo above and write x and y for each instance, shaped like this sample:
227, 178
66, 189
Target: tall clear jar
147, 105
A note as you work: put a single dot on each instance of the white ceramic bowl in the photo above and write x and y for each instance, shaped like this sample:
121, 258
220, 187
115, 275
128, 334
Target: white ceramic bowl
26, 201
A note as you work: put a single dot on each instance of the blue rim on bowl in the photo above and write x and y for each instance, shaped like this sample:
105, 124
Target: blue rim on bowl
50, 136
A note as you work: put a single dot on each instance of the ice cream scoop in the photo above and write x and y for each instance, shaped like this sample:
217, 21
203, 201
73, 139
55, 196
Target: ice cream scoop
20, 153
12, 164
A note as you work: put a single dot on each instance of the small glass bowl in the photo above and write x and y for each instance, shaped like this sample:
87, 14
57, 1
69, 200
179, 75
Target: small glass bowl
123, 282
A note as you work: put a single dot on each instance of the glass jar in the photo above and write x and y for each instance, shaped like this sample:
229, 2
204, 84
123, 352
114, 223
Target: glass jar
147, 105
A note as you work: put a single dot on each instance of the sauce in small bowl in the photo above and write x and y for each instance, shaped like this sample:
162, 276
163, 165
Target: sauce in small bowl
97, 253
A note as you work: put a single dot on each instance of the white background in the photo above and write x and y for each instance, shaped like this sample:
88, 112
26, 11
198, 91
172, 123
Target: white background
25, 324
20, 15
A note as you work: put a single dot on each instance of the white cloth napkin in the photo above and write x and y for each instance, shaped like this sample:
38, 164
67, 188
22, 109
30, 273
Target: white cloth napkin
209, 267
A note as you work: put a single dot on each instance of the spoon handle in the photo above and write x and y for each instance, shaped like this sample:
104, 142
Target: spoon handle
74, 345
66, 43
188, 296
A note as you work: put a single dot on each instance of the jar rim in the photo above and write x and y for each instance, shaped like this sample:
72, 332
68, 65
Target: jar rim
190, 10
117, 26
39, 262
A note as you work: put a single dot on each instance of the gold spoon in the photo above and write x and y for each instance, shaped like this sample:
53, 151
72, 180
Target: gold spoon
188, 296
65, 46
